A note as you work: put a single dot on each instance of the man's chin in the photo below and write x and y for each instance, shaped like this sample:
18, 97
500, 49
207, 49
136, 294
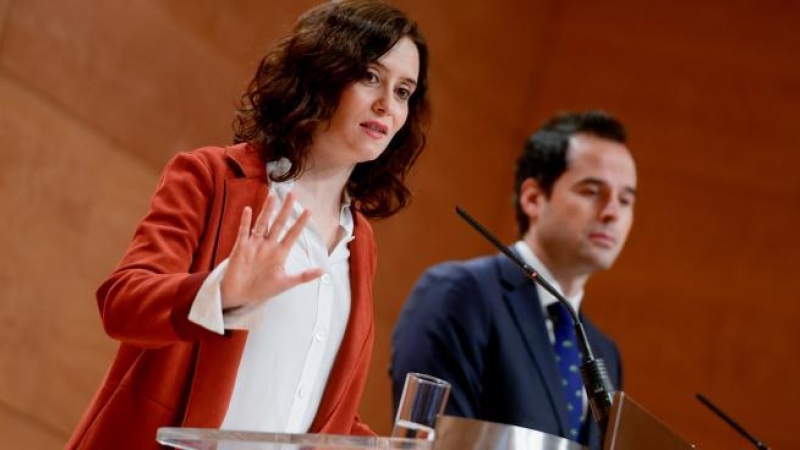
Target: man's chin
604, 261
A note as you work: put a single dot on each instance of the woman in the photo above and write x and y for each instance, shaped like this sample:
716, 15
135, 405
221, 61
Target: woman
235, 306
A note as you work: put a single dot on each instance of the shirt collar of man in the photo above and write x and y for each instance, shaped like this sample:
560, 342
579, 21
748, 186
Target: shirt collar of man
545, 298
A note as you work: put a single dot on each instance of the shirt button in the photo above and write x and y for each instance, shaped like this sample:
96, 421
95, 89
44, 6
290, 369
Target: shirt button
319, 335
326, 279
300, 393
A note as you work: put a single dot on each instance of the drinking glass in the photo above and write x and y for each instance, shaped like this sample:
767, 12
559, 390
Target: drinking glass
424, 398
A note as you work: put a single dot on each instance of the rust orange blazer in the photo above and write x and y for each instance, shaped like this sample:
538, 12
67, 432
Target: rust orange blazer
169, 371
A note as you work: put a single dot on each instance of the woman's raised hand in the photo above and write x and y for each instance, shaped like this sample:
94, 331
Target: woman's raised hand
256, 265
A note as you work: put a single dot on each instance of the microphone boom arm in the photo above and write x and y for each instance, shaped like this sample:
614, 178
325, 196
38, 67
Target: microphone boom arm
715, 409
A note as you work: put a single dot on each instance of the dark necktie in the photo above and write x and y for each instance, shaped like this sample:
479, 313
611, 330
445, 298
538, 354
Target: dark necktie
569, 362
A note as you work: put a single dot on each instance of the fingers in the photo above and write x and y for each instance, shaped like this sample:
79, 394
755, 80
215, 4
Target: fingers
294, 231
305, 276
263, 229
262, 221
280, 220
244, 228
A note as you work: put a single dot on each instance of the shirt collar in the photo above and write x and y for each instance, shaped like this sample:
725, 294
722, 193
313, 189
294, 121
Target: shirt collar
545, 298
280, 166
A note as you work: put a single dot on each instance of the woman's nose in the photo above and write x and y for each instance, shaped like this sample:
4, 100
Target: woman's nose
383, 103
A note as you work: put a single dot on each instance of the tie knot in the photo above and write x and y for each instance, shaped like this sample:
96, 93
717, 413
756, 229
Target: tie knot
559, 313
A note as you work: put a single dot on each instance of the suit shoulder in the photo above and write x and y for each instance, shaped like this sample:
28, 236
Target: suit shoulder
478, 268
599, 339
463, 285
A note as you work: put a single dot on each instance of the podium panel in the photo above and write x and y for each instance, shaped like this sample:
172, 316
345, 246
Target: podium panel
213, 439
458, 433
630, 427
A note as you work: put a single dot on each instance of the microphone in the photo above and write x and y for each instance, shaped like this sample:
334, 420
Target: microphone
759, 445
593, 370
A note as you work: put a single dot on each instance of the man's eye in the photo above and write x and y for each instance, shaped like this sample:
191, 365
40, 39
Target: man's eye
626, 201
590, 191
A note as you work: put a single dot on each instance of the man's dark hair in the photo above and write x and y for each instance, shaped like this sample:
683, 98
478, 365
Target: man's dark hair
300, 80
544, 157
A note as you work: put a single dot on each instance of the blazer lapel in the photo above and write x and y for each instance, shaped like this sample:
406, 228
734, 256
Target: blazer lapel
248, 187
239, 192
521, 296
355, 346
218, 358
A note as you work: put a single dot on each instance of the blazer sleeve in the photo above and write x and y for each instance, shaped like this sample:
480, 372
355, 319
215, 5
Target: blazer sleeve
443, 331
146, 301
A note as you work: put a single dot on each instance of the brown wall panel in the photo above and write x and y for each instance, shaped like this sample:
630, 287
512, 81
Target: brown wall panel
701, 299
22, 431
492, 66
128, 71
95, 96
4, 4
69, 202
238, 31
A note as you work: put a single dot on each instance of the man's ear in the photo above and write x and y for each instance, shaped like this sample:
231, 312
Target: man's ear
531, 198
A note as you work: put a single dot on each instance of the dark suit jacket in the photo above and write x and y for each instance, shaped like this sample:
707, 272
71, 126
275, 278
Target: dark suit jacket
479, 325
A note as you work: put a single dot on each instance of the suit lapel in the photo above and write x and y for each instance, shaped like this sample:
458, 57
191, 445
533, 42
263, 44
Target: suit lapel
523, 301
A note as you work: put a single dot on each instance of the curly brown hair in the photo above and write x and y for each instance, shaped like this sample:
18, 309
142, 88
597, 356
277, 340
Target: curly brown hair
298, 85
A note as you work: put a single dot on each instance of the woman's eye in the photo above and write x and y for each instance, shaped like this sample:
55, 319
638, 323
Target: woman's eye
403, 93
371, 77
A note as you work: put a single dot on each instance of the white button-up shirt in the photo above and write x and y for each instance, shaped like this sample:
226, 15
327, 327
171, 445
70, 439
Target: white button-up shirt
293, 337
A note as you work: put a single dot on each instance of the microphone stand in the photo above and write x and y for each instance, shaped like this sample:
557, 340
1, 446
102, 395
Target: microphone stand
593, 370
759, 444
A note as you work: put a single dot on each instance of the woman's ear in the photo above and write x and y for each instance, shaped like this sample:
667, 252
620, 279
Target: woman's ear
531, 198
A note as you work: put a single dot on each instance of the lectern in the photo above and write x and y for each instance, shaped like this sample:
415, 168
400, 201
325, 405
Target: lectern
630, 427
212, 439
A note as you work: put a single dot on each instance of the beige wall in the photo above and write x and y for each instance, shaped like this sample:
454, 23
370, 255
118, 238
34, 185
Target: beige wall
95, 96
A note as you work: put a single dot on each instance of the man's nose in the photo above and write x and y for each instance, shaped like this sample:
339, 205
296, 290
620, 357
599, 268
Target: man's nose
610, 210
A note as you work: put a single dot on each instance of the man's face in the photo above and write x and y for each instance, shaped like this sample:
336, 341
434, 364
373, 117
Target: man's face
584, 223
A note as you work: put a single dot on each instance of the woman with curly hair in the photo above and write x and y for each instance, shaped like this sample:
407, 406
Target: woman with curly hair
244, 300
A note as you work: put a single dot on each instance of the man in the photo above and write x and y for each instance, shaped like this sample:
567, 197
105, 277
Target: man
484, 326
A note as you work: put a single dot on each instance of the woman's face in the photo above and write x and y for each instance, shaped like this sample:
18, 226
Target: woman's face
371, 110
